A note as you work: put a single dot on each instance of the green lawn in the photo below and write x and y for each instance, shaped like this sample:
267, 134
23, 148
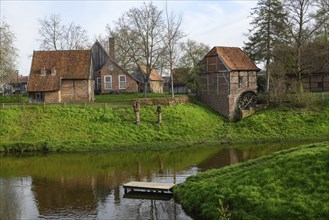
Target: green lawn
291, 184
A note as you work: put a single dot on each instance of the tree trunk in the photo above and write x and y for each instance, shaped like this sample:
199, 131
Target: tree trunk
146, 87
172, 83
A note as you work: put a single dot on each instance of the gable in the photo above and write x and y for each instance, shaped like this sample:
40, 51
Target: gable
154, 76
117, 69
99, 56
214, 63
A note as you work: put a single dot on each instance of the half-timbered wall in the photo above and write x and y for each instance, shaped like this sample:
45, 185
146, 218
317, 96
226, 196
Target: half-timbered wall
220, 90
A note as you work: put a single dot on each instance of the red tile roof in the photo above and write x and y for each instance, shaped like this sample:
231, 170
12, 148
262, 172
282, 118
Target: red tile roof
154, 76
69, 64
235, 59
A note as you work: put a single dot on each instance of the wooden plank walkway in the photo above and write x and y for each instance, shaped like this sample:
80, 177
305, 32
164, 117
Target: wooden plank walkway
148, 186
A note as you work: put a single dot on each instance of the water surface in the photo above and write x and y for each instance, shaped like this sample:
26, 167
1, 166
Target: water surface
89, 185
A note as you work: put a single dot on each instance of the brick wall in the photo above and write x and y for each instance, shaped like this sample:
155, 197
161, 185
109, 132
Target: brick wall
76, 90
156, 86
115, 72
52, 97
221, 90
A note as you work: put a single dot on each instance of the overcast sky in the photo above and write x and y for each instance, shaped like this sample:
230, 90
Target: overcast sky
215, 23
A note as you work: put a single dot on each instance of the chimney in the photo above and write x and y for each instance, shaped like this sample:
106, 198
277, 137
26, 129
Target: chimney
111, 48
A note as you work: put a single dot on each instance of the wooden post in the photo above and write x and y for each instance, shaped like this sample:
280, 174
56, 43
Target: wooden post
159, 114
136, 107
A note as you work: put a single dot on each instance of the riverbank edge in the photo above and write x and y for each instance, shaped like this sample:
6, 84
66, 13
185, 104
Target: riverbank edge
71, 147
222, 209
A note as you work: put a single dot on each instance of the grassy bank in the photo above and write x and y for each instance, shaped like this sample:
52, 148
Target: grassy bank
60, 128
291, 184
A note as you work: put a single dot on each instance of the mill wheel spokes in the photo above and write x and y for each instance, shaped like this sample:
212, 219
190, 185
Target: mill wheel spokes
247, 100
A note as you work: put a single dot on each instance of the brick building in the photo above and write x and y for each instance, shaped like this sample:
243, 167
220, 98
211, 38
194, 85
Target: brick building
228, 81
110, 76
155, 80
61, 76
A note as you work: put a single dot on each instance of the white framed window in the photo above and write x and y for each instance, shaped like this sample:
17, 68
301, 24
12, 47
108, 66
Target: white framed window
43, 71
53, 71
98, 83
107, 82
122, 82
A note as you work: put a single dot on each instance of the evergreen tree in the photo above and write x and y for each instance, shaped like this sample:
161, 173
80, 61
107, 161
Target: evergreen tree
268, 30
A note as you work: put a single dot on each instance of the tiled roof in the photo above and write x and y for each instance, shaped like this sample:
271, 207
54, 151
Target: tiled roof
235, 59
69, 64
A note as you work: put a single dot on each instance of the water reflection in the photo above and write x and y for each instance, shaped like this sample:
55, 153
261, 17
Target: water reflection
90, 185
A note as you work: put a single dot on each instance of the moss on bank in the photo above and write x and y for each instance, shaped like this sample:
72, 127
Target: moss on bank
291, 184
82, 129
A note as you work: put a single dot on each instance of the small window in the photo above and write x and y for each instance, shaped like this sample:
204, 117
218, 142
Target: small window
43, 71
111, 68
107, 82
320, 84
122, 82
53, 71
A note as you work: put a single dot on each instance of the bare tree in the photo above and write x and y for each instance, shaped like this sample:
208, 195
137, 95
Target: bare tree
173, 35
142, 31
51, 32
121, 47
8, 52
302, 27
56, 36
75, 37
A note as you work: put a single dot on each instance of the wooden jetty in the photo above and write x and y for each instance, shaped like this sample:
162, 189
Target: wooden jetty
149, 187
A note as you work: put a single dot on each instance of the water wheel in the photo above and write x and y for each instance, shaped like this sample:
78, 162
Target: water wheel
246, 100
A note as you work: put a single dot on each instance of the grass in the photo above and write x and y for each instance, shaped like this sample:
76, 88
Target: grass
60, 128
65, 128
15, 98
290, 184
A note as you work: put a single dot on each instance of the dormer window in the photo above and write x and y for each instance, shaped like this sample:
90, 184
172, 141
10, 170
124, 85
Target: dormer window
53, 71
43, 71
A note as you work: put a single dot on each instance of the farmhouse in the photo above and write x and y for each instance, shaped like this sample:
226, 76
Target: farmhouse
61, 76
110, 76
155, 83
228, 82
